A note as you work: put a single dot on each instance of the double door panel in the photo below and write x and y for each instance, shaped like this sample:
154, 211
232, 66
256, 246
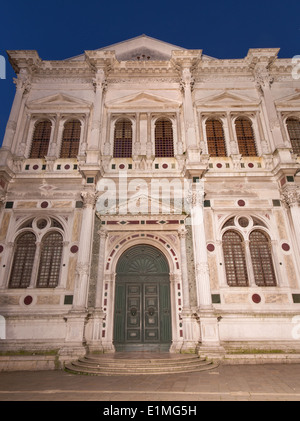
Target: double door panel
142, 313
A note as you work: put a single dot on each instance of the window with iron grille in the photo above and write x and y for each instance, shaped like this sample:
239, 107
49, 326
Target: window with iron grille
164, 145
260, 249
215, 138
234, 258
293, 126
123, 139
50, 260
40, 139
70, 139
245, 137
23, 260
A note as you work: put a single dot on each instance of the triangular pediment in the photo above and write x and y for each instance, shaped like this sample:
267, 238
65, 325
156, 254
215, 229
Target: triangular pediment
141, 47
143, 100
289, 101
58, 101
140, 203
226, 98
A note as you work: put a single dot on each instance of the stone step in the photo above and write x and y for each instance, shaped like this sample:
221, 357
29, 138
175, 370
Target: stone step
96, 365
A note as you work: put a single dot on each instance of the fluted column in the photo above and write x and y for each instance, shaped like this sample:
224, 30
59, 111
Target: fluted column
83, 265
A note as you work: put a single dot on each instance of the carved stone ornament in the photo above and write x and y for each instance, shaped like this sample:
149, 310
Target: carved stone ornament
89, 198
182, 232
262, 78
196, 195
291, 195
187, 81
23, 82
82, 269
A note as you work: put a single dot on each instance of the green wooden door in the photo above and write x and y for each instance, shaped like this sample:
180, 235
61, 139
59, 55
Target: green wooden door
142, 319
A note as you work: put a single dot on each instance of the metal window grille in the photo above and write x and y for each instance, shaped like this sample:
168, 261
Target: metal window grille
50, 260
123, 139
260, 249
23, 260
164, 146
41, 139
293, 126
70, 139
234, 257
245, 137
215, 138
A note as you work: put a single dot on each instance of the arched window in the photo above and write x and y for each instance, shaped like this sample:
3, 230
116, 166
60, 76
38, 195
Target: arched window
70, 139
50, 260
245, 137
40, 139
261, 257
234, 258
123, 139
23, 260
164, 146
293, 126
215, 138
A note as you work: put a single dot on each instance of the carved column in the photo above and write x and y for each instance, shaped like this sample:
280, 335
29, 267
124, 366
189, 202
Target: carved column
263, 82
208, 321
83, 265
291, 196
188, 111
94, 328
190, 326
94, 143
200, 252
99, 287
23, 85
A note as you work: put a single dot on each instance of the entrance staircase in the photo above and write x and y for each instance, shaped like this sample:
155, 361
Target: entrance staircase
131, 363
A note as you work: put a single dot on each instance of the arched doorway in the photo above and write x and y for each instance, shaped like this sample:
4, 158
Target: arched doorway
142, 314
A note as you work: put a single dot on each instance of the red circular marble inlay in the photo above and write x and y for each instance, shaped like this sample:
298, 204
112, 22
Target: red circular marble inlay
210, 247
285, 247
241, 203
74, 249
165, 165
256, 298
67, 167
121, 166
44, 205
35, 167
219, 165
250, 165
28, 300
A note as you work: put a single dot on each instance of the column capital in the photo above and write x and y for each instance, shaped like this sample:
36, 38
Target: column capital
89, 198
196, 195
291, 195
182, 233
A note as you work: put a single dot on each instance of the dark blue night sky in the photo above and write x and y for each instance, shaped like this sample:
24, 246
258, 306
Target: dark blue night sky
59, 29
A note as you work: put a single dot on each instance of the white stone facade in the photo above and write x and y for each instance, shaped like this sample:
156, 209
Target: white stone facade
100, 205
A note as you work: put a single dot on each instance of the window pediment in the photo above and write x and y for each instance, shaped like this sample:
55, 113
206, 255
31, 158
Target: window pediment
227, 99
143, 100
58, 101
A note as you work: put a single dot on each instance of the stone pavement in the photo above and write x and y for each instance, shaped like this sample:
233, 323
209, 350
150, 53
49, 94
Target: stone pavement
262, 382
